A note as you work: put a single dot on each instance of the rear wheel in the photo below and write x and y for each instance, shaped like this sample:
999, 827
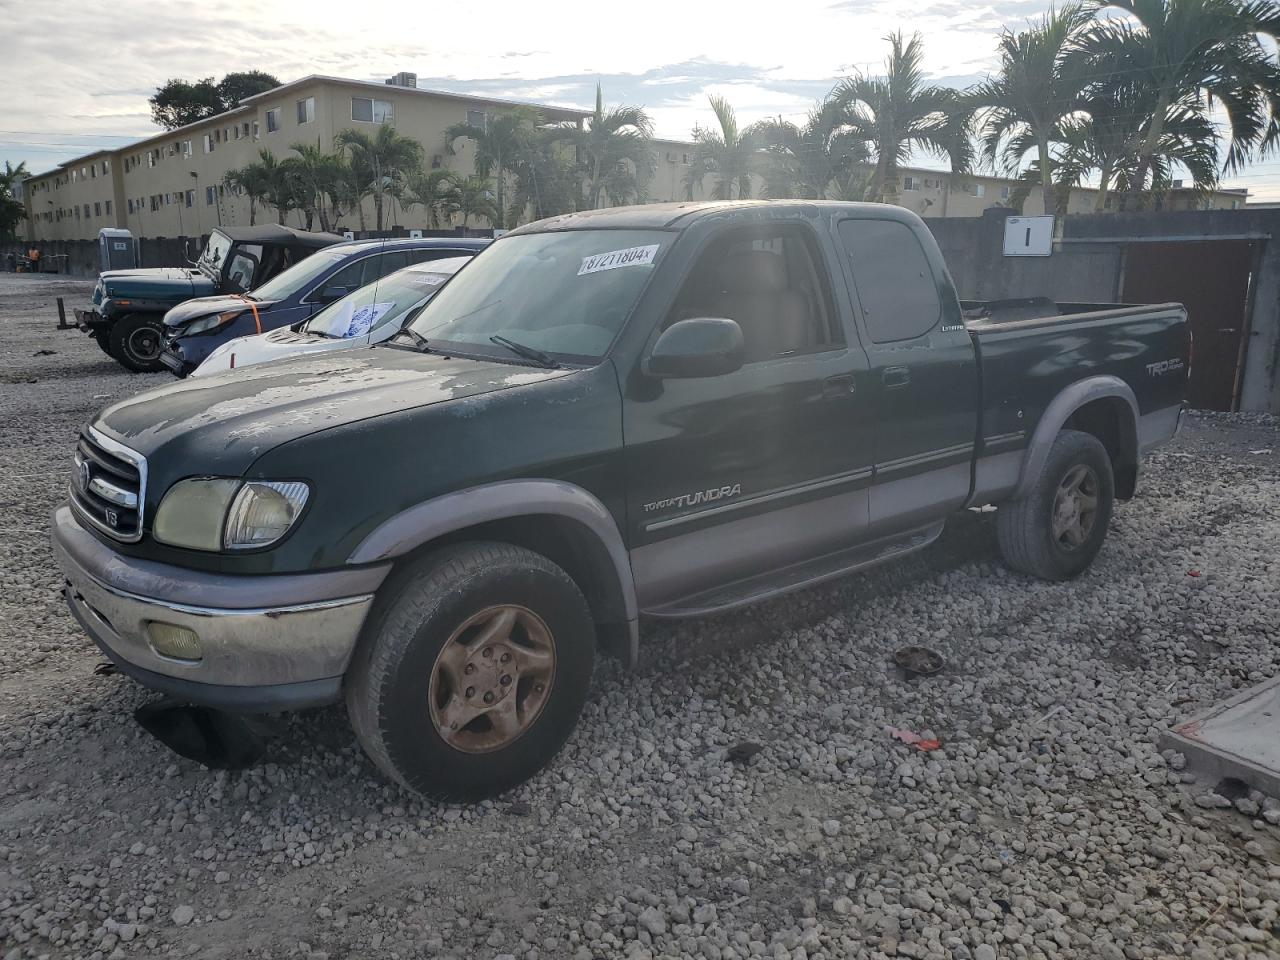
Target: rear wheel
1058, 528
473, 671
136, 340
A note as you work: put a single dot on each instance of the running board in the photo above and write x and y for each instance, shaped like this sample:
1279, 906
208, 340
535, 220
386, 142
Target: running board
797, 576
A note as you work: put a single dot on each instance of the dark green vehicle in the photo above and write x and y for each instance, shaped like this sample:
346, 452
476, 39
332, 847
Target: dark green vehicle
125, 316
659, 411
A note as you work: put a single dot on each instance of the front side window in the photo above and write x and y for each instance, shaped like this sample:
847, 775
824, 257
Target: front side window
273, 120
894, 280
306, 110
565, 293
302, 275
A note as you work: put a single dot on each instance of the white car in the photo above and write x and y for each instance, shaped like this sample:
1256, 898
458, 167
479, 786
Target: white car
370, 315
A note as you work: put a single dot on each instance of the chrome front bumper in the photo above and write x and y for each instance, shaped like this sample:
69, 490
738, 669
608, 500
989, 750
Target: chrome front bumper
257, 651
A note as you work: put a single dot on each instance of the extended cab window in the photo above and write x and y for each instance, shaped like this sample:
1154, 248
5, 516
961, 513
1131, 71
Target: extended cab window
893, 278
770, 282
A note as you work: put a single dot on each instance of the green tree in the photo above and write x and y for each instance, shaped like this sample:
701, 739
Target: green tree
725, 152
814, 159
500, 145
380, 161
320, 179
899, 112
1040, 83
12, 211
615, 152
180, 102
472, 197
1194, 55
254, 181
548, 179
434, 191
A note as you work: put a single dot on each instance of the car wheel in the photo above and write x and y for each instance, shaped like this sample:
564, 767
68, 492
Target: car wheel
473, 670
103, 341
1058, 528
137, 340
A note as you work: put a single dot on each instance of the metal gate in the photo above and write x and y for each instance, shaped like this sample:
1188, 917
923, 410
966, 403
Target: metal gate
1213, 278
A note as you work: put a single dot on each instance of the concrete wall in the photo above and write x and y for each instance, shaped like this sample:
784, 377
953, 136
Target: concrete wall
1088, 265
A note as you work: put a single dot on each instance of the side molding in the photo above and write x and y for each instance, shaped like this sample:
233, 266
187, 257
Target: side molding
428, 521
1067, 402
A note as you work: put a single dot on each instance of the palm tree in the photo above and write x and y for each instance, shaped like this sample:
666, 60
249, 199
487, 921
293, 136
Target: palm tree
12, 211
433, 190
253, 180
1039, 85
727, 153
1194, 54
499, 146
614, 149
472, 197
548, 179
898, 112
379, 161
812, 160
318, 175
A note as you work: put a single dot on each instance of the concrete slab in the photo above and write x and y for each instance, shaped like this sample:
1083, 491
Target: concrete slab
1237, 738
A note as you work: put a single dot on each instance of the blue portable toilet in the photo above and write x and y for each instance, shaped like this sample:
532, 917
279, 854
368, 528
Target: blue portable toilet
117, 249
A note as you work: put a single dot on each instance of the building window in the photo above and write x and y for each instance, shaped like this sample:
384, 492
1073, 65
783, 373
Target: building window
151, 158
236, 130
77, 213
210, 196
130, 205
106, 206
978, 189
208, 143
186, 148
910, 183
106, 167
86, 211
190, 199
477, 119
97, 209
273, 120
371, 111
255, 130
306, 110
246, 127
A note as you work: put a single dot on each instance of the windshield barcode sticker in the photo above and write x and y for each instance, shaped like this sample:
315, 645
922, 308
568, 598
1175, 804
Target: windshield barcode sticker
630, 257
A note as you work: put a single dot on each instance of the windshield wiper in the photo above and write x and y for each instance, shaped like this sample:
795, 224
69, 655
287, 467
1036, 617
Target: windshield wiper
418, 339
539, 357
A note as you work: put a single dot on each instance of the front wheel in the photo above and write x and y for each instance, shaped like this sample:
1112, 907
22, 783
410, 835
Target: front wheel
1058, 528
136, 340
473, 671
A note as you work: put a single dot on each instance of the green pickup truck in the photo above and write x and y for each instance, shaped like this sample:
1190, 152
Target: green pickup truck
647, 412
127, 308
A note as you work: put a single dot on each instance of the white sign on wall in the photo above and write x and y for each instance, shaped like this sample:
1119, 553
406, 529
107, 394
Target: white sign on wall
348, 234
1028, 236
415, 234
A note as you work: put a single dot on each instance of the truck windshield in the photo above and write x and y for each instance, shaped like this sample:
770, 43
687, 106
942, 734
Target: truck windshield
288, 282
215, 252
566, 294
377, 304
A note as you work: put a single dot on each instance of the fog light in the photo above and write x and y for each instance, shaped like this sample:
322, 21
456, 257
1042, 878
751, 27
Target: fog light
171, 640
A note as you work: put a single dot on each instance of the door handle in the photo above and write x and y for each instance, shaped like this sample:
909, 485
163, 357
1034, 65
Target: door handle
843, 385
894, 377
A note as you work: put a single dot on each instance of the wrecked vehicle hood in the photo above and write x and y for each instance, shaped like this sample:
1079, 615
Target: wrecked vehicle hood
190, 310
220, 425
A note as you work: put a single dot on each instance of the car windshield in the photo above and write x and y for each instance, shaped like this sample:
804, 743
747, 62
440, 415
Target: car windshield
301, 275
215, 252
565, 293
386, 301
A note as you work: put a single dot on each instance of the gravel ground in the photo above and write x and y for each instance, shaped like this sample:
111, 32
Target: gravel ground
1046, 825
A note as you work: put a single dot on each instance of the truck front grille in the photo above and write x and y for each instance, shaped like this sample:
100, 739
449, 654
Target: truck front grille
109, 486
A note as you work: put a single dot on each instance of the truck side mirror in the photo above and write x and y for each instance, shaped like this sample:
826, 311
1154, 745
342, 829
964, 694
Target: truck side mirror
700, 347
330, 294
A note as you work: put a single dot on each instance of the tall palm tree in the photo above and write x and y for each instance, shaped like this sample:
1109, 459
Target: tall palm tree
898, 112
1040, 83
615, 152
811, 160
1204, 53
12, 211
433, 190
318, 175
725, 152
253, 181
548, 180
379, 161
472, 197
499, 146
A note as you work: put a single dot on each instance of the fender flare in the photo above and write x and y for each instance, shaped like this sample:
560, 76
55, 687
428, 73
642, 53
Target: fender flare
1070, 399
418, 525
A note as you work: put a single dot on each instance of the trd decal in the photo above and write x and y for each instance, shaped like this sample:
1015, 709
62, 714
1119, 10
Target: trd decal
1161, 367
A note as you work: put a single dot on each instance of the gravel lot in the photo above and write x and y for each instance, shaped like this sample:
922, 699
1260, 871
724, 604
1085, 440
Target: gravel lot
1047, 825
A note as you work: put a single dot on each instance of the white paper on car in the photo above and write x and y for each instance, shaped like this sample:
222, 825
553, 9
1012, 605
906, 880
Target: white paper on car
630, 257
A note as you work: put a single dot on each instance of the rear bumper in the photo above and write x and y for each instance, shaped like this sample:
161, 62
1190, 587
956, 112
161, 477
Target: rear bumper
265, 642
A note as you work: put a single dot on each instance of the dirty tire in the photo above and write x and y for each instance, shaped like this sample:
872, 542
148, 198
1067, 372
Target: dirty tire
136, 340
103, 340
1026, 528
415, 616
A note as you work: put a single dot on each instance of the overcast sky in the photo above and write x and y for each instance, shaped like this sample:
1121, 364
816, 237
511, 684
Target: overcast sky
77, 79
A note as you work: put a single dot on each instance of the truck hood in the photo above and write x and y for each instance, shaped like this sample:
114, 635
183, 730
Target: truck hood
189, 310
156, 283
220, 425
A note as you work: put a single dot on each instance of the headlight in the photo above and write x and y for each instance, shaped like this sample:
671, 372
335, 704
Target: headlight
263, 512
205, 324
213, 513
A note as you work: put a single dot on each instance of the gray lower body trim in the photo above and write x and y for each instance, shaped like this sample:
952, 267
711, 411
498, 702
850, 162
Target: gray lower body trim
1158, 427
995, 477
918, 499
165, 583
688, 564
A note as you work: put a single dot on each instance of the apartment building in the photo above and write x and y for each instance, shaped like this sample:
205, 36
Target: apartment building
172, 184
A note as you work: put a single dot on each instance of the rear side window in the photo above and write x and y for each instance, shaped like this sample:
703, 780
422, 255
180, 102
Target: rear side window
894, 281
423, 254
355, 275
